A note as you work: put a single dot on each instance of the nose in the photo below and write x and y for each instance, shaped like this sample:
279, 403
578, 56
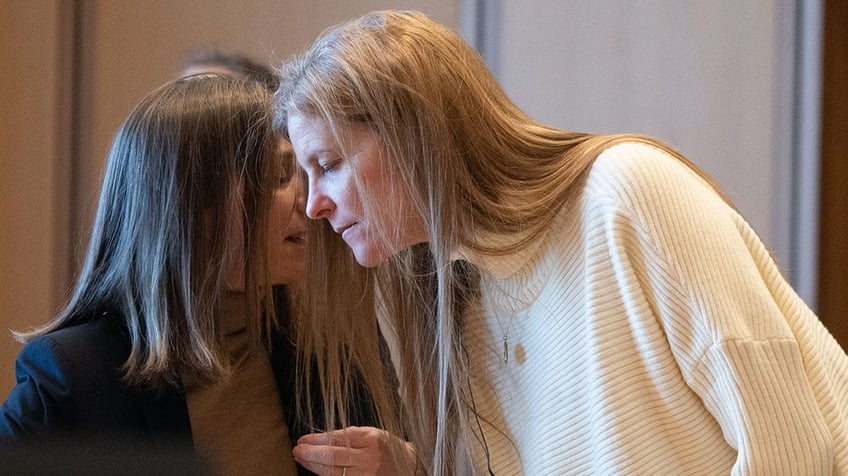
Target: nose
318, 205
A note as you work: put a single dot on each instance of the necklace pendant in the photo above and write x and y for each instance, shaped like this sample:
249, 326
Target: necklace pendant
505, 350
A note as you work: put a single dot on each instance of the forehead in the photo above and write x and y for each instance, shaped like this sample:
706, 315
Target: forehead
307, 129
286, 156
285, 149
315, 139
311, 137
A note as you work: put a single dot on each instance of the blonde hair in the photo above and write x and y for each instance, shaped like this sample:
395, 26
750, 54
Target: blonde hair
473, 163
194, 159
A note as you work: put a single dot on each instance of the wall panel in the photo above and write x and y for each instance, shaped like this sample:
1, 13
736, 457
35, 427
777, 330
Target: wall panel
30, 225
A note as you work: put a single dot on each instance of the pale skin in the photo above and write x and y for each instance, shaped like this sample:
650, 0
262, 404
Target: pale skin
356, 450
334, 196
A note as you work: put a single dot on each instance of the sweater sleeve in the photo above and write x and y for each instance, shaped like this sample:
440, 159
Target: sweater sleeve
38, 403
728, 319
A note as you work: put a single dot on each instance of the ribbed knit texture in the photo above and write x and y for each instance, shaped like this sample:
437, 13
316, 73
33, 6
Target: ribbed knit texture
652, 334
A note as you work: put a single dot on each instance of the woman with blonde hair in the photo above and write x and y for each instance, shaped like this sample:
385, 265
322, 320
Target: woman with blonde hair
555, 302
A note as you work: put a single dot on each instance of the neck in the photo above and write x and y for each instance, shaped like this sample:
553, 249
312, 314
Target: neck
233, 311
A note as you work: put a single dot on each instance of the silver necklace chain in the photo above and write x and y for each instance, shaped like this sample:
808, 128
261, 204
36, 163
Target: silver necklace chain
514, 312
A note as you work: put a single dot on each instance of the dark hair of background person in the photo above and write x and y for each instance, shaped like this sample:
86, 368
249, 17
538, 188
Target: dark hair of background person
211, 60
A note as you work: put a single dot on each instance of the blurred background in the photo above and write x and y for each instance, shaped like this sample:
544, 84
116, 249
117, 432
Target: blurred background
755, 92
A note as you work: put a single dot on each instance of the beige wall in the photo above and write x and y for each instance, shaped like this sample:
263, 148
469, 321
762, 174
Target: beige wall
706, 77
29, 185
56, 125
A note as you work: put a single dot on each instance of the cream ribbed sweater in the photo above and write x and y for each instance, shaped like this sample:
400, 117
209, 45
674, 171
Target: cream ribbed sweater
653, 334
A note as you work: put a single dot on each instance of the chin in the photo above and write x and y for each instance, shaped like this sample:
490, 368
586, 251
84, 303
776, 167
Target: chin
289, 275
368, 262
288, 278
371, 257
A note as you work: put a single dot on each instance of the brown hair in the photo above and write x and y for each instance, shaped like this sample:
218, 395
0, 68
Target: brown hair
194, 158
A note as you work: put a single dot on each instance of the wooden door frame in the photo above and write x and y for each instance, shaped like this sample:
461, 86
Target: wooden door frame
833, 206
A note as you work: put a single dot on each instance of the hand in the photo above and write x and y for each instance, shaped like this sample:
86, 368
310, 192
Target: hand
353, 451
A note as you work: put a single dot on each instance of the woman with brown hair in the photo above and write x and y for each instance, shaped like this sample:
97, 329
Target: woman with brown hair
178, 330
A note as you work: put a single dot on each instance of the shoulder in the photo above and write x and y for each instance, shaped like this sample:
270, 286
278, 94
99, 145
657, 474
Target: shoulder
632, 167
101, 333
80, 350
642, 179
64, 374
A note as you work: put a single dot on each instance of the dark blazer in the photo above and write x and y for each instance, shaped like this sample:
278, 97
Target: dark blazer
69, 386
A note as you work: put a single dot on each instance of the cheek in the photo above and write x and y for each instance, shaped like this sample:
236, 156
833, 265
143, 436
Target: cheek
351, 198
344, 195
401, 220
277, 218
389, 203
282, 203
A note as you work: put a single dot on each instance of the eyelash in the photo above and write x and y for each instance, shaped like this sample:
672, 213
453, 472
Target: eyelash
328, 167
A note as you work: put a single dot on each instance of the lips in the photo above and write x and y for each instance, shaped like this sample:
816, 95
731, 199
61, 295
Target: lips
341, 230
296, 238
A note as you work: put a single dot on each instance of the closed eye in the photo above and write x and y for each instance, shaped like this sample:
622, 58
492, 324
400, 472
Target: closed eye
328, 166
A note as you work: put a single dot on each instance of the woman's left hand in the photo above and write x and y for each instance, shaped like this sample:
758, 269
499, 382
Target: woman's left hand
353, 451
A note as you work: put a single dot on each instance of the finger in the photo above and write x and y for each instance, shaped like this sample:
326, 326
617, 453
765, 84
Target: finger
331, 438
329, 470
352, 436
323, 454
326, 456
315, 439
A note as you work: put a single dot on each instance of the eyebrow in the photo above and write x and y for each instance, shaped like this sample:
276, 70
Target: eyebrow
317, 154
312, 159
